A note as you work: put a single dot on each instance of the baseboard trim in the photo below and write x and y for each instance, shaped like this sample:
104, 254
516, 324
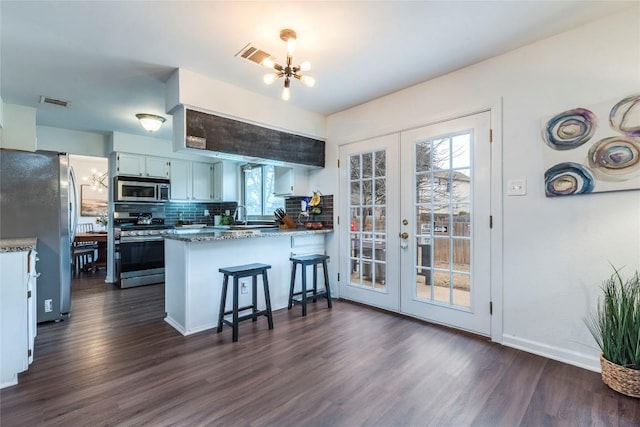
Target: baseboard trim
574, 358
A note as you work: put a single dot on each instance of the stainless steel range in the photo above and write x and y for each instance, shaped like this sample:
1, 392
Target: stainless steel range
139, 248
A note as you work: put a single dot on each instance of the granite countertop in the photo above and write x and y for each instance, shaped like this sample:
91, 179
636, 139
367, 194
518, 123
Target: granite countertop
18, 245
207, 234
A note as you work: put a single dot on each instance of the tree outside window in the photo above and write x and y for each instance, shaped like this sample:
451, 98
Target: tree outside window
258, 191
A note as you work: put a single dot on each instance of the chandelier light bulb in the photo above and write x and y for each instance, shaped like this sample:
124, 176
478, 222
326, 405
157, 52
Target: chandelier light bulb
291, 46
309, 81
305, 66
269, 78
268, 62
286, 94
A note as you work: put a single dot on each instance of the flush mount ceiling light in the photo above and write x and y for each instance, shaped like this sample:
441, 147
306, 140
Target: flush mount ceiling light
288, 71
150, 122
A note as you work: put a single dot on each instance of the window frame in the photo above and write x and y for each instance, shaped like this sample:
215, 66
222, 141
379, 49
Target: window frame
264, 216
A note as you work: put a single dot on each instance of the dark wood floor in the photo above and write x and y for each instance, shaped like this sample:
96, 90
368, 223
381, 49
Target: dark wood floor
116, 362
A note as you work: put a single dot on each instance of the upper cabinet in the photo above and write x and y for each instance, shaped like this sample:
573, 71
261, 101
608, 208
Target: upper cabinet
144, 166
240, 141
290, 181
192, 181
225, 180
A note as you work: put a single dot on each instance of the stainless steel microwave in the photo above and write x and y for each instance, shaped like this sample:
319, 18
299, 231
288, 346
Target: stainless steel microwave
141, 189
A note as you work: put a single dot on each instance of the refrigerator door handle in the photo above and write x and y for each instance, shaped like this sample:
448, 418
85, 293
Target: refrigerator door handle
73, 205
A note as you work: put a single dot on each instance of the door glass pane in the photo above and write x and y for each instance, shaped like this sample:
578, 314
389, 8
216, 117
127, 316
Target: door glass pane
423, 156
354, 167
367, 192
461, 184
441, 159
355, 193
461, 150
461, 287
380, 223
368, 220
380, 192
462, 255
379, 282
441, 285
367, 165
381, 167
443, 216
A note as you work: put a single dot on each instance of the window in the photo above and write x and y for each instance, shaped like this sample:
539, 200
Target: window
257, 190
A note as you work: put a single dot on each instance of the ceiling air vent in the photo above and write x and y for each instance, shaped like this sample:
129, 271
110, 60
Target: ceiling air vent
253, 54
58, 102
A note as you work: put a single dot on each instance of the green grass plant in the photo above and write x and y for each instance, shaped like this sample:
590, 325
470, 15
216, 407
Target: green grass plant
615, 324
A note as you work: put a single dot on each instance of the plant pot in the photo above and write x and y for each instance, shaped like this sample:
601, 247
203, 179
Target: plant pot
621, 379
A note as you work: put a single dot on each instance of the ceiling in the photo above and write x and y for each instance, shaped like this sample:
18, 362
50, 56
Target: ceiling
111, 59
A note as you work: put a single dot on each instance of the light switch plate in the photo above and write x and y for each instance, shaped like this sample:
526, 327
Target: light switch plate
516, 187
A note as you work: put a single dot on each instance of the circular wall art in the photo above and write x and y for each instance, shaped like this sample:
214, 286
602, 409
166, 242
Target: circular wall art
616, 158
570, 129
625, 116
568, 178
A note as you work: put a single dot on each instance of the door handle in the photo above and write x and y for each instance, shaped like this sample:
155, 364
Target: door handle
404, 235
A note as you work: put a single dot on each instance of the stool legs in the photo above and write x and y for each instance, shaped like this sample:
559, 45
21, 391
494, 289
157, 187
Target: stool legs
238, 272
267, 299
304, 262
235, 309
293, 282
223, 300
326, 283
304, 289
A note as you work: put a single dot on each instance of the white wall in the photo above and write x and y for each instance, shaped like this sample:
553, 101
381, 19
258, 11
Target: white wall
556, 251
82, 166
73, 141
19, 131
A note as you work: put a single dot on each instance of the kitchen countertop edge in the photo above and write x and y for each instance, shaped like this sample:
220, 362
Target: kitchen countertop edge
18, 244
221, 235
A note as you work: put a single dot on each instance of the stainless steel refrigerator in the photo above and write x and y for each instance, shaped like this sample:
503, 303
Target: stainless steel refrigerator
34, 202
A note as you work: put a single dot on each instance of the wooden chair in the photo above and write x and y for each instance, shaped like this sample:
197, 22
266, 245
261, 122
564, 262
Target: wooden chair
83, 253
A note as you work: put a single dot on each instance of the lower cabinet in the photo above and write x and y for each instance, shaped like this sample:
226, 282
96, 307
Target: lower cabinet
17, 314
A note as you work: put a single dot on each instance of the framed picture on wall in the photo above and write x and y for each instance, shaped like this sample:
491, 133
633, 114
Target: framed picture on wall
92, 202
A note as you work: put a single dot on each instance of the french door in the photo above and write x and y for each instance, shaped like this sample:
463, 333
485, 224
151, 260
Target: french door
418, 231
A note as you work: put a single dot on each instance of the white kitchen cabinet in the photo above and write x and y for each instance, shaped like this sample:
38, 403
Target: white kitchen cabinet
191, 181
17, 314
202, 174
225, 181
290, 181
157, 167
180, 180
143, 166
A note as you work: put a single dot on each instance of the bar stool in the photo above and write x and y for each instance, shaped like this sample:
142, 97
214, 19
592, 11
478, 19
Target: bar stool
304, 261
238, 272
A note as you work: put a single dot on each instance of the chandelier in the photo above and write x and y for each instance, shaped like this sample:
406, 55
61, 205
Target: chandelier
288, 71
97, 180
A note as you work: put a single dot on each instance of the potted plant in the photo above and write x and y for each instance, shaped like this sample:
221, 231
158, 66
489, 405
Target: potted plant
615, 325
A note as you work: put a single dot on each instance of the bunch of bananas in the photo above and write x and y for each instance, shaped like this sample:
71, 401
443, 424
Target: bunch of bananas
315, 200
314, 204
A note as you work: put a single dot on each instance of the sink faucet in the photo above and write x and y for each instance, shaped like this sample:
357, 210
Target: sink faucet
237, 215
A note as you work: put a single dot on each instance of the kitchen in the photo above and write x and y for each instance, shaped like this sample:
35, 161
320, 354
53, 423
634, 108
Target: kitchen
534, 308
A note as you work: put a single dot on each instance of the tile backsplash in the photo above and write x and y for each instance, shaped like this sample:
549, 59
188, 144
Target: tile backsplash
292, 207
194, 212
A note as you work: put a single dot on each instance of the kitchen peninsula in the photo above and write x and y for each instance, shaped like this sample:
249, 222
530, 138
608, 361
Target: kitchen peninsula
193, 284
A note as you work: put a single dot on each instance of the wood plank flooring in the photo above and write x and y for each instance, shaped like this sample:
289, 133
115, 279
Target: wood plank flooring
117, 363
